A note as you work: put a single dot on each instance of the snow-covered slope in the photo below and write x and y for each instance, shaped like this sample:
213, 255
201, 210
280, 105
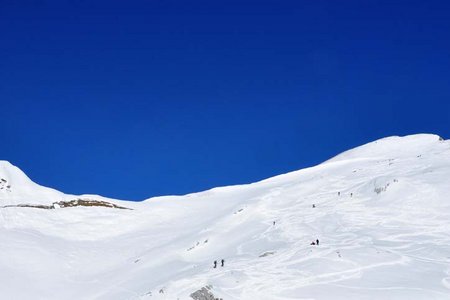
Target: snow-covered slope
381, 212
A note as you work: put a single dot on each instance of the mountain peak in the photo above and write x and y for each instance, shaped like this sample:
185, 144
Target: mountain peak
395, 147
16, 187
13, 174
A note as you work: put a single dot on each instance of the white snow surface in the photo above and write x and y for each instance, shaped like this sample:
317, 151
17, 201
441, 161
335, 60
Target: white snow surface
382, 215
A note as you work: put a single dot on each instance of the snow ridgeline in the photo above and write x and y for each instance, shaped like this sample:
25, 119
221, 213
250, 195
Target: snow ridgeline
381, 212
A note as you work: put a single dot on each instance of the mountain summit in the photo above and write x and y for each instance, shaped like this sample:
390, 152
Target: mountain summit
370, 223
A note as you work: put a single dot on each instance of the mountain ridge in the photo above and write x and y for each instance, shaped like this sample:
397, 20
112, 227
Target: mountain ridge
381, 218
7, 167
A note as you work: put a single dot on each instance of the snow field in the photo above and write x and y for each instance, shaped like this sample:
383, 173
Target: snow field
381, 214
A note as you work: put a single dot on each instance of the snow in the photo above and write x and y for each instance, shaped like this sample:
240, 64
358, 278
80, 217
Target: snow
385, 236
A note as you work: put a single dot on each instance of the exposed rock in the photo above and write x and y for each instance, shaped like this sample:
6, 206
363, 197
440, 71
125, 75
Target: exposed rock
83, 202
204, 294
71, 203
267, 253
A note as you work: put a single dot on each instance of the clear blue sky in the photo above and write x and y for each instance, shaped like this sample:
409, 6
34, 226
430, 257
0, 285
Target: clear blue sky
132, 99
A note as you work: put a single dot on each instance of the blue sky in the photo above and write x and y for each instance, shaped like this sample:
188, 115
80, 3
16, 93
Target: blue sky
132, 99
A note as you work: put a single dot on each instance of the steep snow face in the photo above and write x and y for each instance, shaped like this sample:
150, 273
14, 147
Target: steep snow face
16, 187
380, 212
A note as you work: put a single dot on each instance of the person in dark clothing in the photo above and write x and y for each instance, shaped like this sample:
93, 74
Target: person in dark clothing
314, 205
223, 262
317, 242
339, 193
313, 243
215, 264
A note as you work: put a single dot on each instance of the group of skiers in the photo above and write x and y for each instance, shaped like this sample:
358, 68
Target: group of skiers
215, 263
315, 243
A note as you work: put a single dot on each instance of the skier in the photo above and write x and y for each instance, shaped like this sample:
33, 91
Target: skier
351, 194
314, 205
339, 193
313, 243
317, 242
223, 262
215, 264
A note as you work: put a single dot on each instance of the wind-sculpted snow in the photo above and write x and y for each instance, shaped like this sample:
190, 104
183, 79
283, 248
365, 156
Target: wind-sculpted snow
380, 212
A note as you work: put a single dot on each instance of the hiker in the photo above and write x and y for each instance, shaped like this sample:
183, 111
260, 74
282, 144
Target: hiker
317, 242
215, 264
223, 262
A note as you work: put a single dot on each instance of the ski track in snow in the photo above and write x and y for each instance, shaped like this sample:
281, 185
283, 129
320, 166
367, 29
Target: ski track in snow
381, 214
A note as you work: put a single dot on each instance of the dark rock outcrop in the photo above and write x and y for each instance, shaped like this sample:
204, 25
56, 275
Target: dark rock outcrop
71, 203
204, 294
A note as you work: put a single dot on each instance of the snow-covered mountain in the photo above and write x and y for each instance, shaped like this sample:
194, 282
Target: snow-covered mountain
381, 213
